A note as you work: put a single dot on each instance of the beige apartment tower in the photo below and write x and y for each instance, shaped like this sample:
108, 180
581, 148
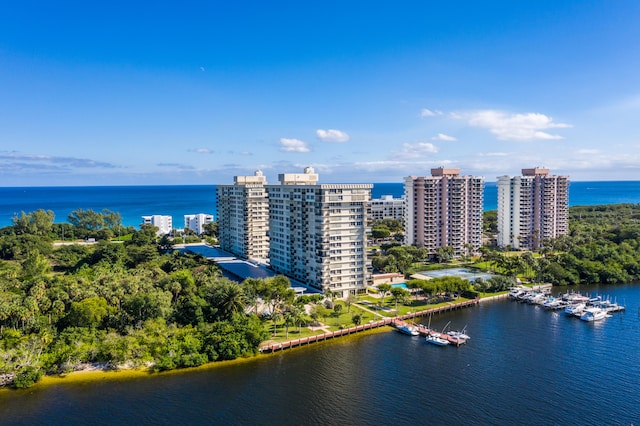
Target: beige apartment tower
532, 208
243, 217
317, 232
444, 210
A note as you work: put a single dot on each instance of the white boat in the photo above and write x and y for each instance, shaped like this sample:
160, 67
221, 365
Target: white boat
537, 299
553, 303
408, 329
459, 335
435, 339
593, 314
575, 309
517, 293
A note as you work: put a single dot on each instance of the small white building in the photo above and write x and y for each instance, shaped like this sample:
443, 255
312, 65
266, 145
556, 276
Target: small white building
196, 222
163, 223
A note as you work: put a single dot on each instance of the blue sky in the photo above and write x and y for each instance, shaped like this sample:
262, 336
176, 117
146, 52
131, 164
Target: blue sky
114, 93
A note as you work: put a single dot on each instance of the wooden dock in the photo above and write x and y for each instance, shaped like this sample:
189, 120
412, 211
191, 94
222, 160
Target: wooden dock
274, 347
424, 331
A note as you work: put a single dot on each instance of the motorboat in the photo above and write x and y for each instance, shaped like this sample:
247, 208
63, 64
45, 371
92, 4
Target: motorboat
537, 299
517, 293
459, 335
593, 314
553, 303
575, 309
435, 339
408, 329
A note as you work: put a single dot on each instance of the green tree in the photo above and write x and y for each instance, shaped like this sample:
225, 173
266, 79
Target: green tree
89, 312
400, 295
38, 223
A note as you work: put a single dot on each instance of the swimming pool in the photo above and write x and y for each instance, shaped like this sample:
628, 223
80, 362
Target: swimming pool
400, 285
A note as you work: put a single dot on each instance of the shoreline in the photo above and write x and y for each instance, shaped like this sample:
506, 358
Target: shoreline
93, 374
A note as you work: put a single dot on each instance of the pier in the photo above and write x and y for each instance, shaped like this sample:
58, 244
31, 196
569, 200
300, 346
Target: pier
274, 347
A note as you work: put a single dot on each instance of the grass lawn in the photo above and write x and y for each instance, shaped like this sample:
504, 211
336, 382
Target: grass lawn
334, 322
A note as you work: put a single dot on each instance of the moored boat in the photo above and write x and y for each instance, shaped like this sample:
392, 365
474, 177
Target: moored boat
435, 339
408, 329
575, 309
459, 335
593, 314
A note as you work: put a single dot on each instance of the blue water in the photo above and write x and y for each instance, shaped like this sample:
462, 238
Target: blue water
400, 285
132, 202
522, 366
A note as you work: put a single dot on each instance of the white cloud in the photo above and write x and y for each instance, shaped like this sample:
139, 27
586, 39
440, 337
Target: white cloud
415, 150
332, 135
588, 151
517, 127
201, 151
293, 145
492, 154
426, 112
443, 137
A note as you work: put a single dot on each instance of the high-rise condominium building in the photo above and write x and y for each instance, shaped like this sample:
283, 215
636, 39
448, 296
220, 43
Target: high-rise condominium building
444, 210
387, 207
532, 208
243, 217
317, 232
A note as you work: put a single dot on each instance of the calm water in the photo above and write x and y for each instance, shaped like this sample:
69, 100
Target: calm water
523, 365
132, 202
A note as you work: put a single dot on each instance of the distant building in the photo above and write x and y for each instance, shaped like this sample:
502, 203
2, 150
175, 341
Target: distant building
387, 207
243, 217
532, 208
444, 210
196, 222
317, 232
163, 223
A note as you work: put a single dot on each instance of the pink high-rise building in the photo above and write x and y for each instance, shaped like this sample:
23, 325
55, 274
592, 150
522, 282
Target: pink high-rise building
444, 210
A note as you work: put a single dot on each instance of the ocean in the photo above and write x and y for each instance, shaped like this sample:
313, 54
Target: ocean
523, 365
132, 202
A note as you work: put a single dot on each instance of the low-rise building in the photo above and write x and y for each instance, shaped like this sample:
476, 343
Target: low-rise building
387, 207
196, 222
162, 222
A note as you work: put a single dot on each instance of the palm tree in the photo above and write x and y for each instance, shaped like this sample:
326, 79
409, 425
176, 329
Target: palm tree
230, 298
298, 316
288, 320
351, 298
275, 317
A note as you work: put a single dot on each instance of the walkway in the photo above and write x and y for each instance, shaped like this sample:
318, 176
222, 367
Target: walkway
273, 347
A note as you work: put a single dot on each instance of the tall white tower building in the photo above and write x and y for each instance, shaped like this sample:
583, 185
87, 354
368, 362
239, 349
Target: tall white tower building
317, 232
532, 208
243, 216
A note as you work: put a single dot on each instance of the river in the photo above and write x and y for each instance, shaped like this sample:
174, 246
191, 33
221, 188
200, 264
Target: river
523, 365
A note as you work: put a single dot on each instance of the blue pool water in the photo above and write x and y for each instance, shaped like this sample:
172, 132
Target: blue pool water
400, 285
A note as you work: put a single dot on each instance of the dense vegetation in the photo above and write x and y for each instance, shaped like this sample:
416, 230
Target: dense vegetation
132, 303
603, 246
131, 300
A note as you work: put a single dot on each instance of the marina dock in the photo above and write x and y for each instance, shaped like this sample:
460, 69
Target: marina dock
274, 347
425, 331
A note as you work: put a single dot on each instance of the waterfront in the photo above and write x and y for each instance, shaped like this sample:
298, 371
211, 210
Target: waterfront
132, 202
523, 365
